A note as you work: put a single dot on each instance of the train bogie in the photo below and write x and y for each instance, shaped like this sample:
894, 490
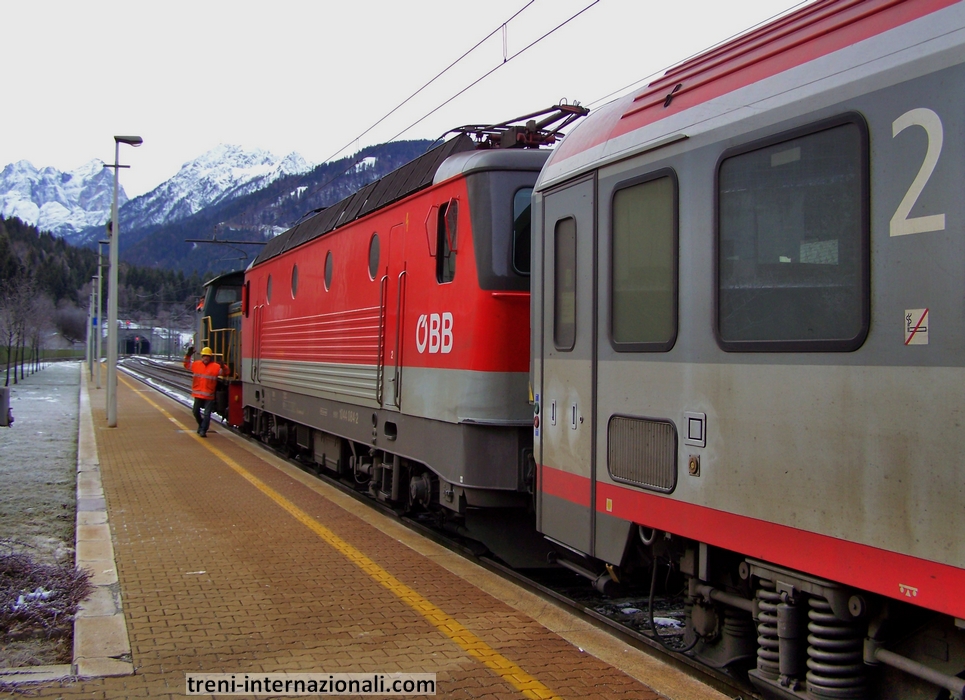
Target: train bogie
748, 335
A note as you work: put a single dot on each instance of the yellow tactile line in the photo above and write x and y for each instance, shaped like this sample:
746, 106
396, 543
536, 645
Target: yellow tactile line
529, 686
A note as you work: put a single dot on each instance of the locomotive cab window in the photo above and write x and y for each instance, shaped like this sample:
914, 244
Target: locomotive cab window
564, 284
294, 280
328, 271
446, 242
521, 230
793, 241
643, 299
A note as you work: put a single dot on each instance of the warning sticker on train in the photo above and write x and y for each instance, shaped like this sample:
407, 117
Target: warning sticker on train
916, 327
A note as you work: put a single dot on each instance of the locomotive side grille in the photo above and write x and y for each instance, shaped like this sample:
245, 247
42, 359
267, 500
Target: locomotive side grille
344, 336
642, 452
324, 353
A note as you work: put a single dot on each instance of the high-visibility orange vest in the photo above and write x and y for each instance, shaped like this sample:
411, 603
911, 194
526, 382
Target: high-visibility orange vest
205, 378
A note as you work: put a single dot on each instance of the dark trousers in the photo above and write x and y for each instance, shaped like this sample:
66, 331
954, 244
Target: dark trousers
202, 413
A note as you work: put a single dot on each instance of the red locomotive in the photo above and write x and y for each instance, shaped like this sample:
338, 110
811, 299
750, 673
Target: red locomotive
387, 337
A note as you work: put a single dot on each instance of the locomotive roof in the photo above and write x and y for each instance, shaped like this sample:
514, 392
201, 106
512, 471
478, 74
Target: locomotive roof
684, 101
490, 159
235, 277
401, 182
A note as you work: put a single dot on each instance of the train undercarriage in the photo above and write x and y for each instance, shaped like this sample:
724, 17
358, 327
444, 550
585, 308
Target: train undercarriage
791, 635
498, 522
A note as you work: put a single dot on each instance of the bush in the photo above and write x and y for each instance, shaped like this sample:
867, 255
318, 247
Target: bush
38, 599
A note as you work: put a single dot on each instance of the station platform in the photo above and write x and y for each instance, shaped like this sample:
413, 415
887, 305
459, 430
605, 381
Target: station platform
229, 560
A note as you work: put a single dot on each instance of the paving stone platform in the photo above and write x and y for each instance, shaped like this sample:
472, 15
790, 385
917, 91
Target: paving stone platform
231, 561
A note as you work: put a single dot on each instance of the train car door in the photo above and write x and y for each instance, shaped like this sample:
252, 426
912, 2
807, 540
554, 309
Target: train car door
567, 365
256, 321
395, 281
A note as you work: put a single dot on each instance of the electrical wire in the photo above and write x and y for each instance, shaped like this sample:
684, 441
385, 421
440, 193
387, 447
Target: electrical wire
462, 91
437, 76
318, 188
507, 59
490, 72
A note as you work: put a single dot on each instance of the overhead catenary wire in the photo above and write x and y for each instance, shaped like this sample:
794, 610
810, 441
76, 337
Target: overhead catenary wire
506, 60
501, 27
493, 70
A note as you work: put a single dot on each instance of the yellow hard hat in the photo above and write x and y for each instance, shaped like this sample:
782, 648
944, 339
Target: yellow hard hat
206, 351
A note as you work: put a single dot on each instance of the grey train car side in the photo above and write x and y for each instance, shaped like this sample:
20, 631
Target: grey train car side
748, 341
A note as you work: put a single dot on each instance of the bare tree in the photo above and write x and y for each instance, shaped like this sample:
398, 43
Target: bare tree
7, 333
17, 297
41, 324
24, 293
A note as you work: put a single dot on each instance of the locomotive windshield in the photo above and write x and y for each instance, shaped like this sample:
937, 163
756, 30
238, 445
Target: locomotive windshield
227, 295
521, 230
500, 212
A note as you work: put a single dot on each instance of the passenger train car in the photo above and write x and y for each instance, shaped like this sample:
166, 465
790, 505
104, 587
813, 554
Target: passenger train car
749, 344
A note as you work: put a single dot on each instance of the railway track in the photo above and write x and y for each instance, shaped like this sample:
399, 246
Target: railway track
626, 615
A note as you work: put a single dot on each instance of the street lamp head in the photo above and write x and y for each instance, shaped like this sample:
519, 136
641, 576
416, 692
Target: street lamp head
129, 140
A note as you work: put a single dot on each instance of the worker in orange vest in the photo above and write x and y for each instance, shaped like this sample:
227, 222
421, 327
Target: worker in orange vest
204, 383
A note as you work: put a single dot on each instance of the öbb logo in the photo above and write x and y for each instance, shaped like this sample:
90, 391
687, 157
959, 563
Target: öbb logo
434, 331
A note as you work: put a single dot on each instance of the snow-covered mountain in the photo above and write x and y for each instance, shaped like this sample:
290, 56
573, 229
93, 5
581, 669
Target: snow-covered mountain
55, 201
247, 195
70, 204
221, 174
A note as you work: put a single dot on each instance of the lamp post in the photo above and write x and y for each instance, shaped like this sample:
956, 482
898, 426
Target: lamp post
112, 286
90, 332
100, 306
96, 322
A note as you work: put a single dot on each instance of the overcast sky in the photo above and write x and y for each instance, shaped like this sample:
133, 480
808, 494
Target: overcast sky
312, 75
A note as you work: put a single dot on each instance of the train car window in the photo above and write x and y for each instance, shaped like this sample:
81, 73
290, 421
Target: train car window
268, 291
294, 280
374, 256
328, 271
564, 284
793, 241
643, 272
522, 241
446, 242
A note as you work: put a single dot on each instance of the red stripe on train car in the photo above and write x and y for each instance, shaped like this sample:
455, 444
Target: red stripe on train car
569, 487
815, 31
916, 581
